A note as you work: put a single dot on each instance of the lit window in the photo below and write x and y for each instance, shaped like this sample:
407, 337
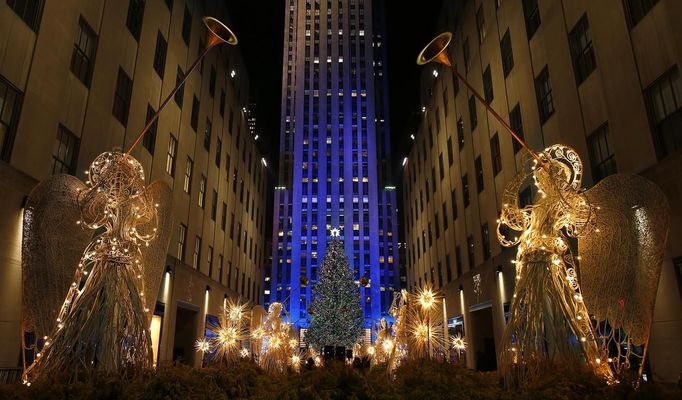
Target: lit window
65, 152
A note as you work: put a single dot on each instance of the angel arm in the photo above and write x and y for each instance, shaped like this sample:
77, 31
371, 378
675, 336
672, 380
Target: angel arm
577, 214
512, 215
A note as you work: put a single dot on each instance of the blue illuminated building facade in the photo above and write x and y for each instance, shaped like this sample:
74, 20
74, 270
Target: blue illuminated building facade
334, 168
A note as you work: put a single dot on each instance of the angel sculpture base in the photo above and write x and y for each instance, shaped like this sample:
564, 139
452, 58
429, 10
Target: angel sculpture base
103, 323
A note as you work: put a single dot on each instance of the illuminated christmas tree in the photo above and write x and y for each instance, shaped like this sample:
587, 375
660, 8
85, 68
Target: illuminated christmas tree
336, 313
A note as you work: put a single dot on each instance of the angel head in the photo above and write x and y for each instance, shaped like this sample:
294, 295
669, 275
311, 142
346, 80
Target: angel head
117, 175
561, 170
275, 309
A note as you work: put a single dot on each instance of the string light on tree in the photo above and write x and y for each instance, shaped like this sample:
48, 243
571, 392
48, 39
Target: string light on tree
336, 312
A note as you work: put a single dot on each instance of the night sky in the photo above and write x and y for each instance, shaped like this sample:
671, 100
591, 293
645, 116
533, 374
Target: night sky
259, 25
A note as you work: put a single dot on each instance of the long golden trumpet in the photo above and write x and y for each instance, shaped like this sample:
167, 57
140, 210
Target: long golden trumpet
218, 33
435, 51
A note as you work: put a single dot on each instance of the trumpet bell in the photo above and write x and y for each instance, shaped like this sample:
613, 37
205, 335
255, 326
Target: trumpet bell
218, 33
435, 50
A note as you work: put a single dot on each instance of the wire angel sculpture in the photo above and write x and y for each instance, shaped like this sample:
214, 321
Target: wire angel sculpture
549, 314
103, 321
279, 346
383, 345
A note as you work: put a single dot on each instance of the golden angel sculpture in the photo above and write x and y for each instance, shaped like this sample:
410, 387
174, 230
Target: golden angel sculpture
279, 347
621, 226
91, 309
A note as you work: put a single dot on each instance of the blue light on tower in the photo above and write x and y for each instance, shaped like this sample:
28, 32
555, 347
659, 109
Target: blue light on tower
334, 155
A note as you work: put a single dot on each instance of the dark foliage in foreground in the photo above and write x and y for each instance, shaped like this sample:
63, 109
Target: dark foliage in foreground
415, 380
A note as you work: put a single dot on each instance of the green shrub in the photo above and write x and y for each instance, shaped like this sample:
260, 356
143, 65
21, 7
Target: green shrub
420, 379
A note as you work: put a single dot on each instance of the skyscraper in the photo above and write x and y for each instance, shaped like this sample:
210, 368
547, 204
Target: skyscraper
334, 168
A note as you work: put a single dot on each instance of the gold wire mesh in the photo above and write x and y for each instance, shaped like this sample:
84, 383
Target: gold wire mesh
547, 307
103, 322
620, 264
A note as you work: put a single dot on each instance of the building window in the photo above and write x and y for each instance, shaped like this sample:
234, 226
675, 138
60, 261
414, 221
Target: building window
194, 120
478, 164
635, 10
677, 263
202, 191
465, 190
485, 241
458, 259
28, 10
516, 124
495, 154
65, 153
218, 152
531, 14
480, 23
453, 201
160, 54
467, 55
209, 261
187, 186
211, 82
471, 251
182, 240
473, 119
664, 104
149, 138
223, 218
10, 102
181, 92
196, 256
135, 15
450, 152
460, 133
207, 135
124, 88
84, 50
441, 167
601, 153
222, 103
214, 205
186, 25
507, 54
171, 156
543, 92
488, 85
582, 51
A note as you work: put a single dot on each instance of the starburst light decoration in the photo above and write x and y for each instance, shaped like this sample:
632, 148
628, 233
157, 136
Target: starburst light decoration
458, 343
202, 345
418, 330
229, 333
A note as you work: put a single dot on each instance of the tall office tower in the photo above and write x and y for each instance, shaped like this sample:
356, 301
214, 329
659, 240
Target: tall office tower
597, 76
334, 154
81, 78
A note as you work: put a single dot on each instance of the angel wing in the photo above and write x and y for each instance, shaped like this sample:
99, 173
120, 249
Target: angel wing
621, 259
52, 246
154, 256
